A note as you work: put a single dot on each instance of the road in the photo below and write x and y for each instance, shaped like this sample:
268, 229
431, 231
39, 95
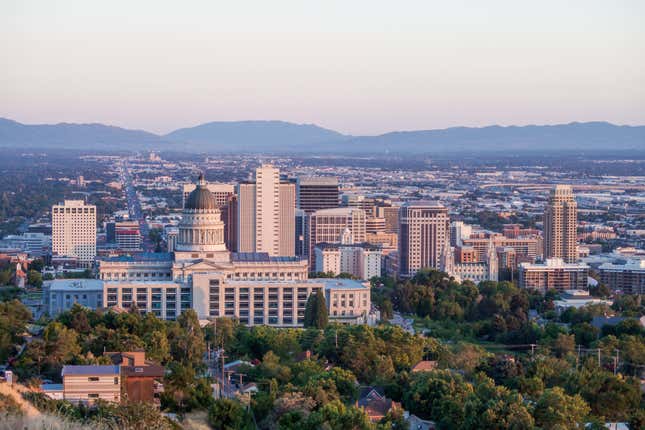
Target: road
134, 206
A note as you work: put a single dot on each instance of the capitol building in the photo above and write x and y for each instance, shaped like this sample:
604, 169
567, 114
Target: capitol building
203, 275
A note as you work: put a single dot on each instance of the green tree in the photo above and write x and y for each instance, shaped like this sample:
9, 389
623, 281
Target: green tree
34, 279
557, 410
316, 314
157, 346
227, 414
187, 340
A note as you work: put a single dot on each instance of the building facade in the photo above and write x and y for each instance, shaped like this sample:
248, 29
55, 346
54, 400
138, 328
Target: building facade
74, 230
553, 273
88, 384
560, 225
424, 235
266, 214
317, 192
60, 295
362, 261
628, 278
328, 226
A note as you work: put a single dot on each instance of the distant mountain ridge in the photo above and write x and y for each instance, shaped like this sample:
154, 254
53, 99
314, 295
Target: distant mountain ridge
286, 137
252, 136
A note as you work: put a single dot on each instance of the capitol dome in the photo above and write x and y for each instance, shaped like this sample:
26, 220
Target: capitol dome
201, 228
201, 198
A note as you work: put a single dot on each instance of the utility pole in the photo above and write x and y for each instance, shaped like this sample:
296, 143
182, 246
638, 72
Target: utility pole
533, 349
616, 361
223, 388
598, 356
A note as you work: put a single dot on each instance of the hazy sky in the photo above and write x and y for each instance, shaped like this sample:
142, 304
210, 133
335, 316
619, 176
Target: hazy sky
357, 66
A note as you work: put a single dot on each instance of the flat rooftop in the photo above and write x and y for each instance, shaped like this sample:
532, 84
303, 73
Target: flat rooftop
260, 257
90, 370
76, 285
142, 257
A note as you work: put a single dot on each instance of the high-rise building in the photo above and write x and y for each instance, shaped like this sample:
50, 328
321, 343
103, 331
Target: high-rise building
246, 217
317, 192
328, 226
220, 191
560, 224
302, 234
287, 221
128, 235
266, 214
74, 230
424, 235
458, 232
368, 204
391, 215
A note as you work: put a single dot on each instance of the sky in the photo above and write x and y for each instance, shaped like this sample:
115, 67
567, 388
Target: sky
355, 66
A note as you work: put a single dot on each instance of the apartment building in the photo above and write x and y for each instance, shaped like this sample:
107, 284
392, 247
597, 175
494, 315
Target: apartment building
553, 273
628, 278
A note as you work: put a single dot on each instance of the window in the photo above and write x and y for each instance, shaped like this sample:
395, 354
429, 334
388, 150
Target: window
93, 379
93, 395
116, 380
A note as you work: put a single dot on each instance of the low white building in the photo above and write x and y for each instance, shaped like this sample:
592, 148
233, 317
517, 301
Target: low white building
360, 260
578, 299
60, 295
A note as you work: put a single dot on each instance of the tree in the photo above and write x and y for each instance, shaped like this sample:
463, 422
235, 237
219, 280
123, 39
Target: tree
564, 344
157, 346
557, 410
187, 340
227, 414
34, 278
316, 314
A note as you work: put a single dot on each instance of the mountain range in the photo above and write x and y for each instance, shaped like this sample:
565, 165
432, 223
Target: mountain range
286, 137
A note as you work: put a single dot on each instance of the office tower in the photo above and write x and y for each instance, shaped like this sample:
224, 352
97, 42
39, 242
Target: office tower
221, 192
128, 235
317, 192
74, 230
368, 204
560, 223
267, 210
302, 234
287, 221
266, 214
375, 225
458, 232
229, 217
328, 226
246, 217
424, 235
391, 216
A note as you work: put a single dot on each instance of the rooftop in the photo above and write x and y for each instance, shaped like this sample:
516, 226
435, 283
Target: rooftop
260, 257
76, 285
144, 256
89, 370
340, 284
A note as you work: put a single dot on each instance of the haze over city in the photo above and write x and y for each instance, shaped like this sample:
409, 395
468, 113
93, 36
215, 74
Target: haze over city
360, 67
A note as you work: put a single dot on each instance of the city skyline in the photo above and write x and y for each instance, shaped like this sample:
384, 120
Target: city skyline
359, 68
